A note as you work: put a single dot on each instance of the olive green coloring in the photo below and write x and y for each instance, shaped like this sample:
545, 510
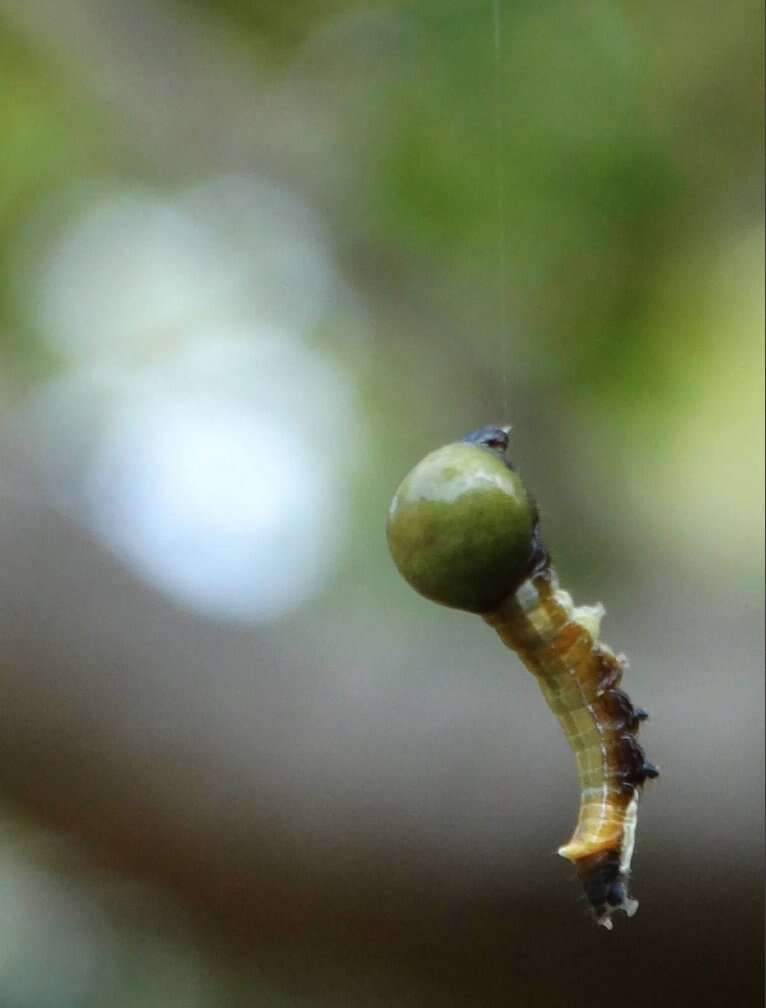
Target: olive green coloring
460, 528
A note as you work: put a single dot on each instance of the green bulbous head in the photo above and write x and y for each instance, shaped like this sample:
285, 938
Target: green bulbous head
461, 527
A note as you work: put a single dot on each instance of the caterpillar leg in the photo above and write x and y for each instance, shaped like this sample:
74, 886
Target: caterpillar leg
606, 887
601, 851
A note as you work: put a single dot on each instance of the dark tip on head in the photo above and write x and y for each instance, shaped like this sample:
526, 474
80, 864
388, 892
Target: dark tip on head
650, 771
641, 714
495, 438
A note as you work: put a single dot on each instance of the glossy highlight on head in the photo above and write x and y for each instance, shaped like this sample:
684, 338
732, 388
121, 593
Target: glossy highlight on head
461, 526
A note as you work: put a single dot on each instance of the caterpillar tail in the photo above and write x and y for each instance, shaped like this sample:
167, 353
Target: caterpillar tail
579, 677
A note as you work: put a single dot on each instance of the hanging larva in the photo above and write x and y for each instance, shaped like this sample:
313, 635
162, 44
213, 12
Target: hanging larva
464, 533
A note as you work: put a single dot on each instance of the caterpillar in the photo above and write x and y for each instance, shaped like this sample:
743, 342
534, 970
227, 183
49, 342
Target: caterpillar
464, 532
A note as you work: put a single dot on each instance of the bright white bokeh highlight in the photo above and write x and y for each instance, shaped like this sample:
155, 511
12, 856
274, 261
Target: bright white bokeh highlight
136, 270
194, 428
217, 505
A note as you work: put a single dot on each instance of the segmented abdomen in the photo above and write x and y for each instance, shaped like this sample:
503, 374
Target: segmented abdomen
579, 677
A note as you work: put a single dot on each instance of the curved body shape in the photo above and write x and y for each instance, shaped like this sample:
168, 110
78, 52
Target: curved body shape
464, 532
579, 677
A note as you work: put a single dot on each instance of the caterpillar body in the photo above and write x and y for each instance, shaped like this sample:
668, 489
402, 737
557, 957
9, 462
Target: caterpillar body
463, 532
579, 678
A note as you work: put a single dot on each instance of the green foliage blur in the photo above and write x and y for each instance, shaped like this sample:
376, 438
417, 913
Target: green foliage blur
573, 217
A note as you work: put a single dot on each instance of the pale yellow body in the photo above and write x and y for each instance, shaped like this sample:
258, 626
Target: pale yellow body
557, 642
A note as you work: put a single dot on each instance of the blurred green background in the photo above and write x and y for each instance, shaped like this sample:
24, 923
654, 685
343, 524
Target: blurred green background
257, 259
